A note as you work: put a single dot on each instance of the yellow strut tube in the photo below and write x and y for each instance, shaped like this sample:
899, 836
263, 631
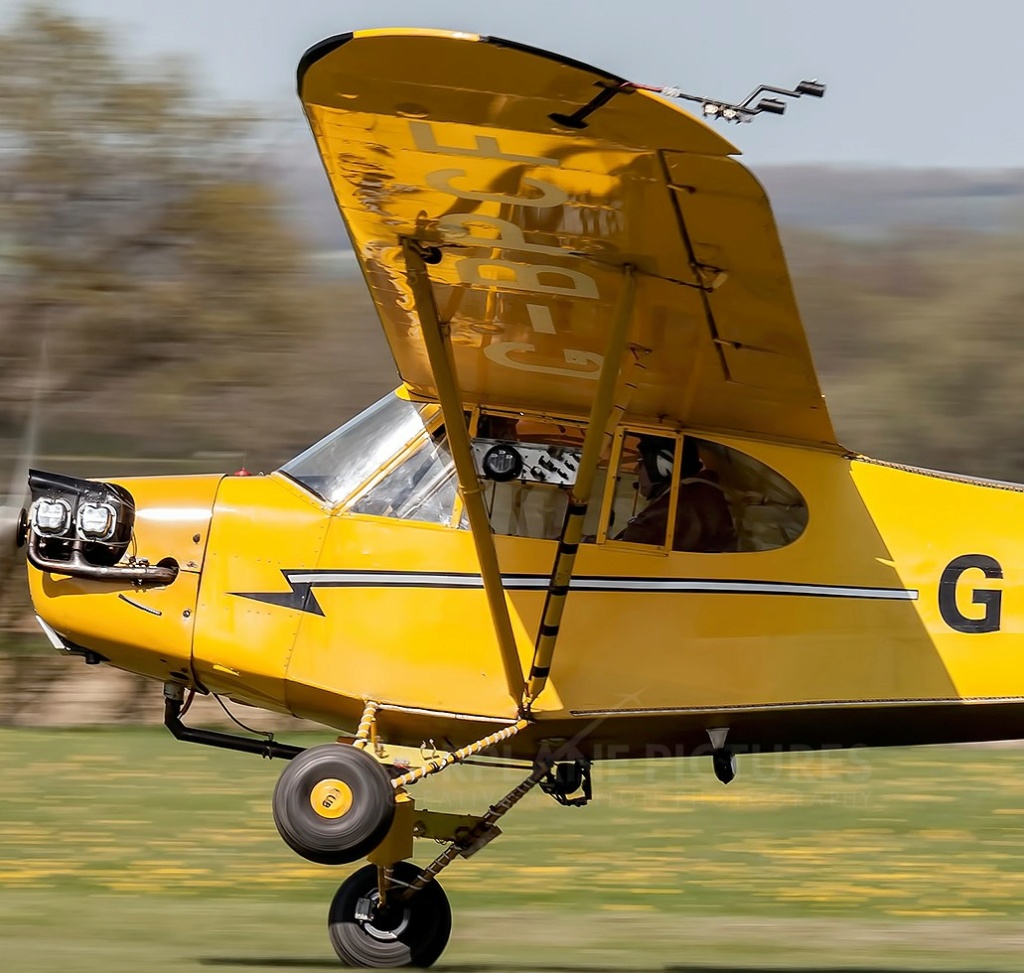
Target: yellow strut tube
435, 764
366, 723
435, 340
572, 528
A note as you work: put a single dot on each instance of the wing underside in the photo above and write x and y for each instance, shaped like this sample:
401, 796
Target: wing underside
529, 207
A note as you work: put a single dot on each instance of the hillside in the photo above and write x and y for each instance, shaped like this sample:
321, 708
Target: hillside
853, 203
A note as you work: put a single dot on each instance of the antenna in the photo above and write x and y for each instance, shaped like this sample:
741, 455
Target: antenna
745, 110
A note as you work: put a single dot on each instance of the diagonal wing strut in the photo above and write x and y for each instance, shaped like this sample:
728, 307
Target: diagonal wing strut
572, 527
436, 343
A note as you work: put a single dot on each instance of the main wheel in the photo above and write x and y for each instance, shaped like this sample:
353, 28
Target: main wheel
333, 804
411, 933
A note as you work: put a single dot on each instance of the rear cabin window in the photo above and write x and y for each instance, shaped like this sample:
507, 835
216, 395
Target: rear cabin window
713, 498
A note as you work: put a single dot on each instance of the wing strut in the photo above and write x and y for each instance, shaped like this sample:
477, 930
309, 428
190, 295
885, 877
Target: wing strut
436, 342
579, 498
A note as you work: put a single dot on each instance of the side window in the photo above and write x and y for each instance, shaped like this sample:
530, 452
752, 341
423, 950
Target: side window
707, 497
642, 495
527, 467
421, 487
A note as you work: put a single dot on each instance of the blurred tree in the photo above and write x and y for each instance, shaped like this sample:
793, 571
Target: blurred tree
917, 341
140, 236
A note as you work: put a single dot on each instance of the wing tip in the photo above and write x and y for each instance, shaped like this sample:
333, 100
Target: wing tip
330, 44
319, 50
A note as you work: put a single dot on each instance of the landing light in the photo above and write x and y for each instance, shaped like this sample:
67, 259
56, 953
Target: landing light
97, 520
51, 516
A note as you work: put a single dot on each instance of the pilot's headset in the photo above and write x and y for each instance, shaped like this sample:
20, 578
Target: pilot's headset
658, 457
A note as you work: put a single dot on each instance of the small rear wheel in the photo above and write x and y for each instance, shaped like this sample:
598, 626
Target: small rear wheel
410, 933
333, 804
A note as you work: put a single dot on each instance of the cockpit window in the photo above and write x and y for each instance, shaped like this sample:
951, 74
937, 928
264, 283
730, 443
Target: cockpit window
768, 510
421, 487
393, 460
340, 463
527, 468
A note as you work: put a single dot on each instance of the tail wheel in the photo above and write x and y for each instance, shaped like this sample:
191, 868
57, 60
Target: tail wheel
333, 804
410, 933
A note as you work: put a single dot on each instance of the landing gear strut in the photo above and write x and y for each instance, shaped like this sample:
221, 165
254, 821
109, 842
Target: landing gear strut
335, 803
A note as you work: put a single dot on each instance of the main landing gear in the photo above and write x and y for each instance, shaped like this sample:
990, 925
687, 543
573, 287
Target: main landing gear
334, 804
401, 932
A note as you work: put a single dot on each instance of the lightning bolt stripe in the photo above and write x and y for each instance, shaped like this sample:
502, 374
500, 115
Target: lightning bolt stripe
301, 597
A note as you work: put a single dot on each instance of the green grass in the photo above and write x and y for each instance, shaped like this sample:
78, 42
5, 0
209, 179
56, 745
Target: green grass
124, 850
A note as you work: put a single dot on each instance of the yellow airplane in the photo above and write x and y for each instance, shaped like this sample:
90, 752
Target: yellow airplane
604, 515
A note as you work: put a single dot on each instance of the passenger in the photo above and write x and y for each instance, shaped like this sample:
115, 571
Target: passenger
703, 520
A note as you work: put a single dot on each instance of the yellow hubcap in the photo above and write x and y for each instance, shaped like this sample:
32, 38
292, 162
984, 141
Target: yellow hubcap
331, 798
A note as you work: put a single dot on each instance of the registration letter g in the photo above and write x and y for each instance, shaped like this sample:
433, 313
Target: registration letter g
990, 598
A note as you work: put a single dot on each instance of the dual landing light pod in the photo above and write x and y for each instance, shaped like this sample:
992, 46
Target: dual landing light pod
82, 528
66, 509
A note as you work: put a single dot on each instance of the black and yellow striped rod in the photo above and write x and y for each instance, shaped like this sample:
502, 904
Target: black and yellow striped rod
438, 347
579, 498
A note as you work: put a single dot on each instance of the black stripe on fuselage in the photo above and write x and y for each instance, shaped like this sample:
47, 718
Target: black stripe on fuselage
301, 595
350, 578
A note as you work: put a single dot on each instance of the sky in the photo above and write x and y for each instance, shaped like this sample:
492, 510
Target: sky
910, 82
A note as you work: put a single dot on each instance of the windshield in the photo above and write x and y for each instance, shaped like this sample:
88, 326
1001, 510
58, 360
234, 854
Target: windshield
341, 462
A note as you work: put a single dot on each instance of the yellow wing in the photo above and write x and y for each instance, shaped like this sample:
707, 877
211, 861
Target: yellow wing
537, 178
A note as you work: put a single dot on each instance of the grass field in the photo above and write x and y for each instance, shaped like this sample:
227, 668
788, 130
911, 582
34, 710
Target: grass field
124, 850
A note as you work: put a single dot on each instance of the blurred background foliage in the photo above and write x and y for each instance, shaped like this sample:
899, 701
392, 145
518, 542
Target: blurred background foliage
144, 238
198, 315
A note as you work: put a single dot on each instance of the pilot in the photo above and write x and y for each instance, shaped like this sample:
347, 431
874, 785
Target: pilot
703, 520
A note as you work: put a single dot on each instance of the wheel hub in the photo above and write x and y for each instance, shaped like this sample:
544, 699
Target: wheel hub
385, 924
331, 798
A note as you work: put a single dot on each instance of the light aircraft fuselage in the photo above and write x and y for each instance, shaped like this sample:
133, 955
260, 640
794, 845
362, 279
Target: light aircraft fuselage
891, 619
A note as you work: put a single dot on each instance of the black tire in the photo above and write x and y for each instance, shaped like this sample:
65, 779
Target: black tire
334, 840
412, 933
